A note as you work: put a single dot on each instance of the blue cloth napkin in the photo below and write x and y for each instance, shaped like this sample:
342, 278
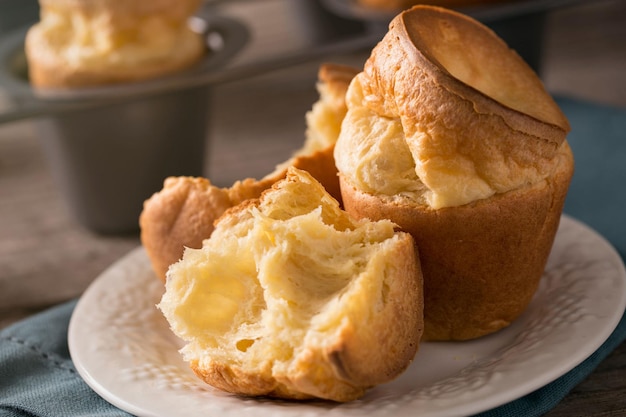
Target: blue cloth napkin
597, 194
38, 378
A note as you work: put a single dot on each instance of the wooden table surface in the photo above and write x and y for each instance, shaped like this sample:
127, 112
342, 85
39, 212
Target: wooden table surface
46, 257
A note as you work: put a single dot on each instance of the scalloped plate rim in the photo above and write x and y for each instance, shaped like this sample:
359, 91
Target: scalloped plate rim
104, 379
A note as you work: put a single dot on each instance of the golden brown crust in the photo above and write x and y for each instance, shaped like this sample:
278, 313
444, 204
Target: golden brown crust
481, 262
82, 43
180, 215
432, 56
237, 380
455, 102
464, 56
336, 76
321, 165
404, 307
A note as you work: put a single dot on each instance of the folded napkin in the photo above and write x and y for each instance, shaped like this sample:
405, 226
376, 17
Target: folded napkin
38, 378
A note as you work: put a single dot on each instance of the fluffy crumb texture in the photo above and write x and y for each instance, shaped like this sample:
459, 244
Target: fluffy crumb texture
445, 114
293, 298
325, 118
183, 212
80, 43
323, 124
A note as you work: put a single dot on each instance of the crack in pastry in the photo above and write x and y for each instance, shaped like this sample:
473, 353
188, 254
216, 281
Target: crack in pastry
291, 297
183, 212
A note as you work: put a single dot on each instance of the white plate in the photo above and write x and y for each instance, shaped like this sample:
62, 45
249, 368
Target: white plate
123, 348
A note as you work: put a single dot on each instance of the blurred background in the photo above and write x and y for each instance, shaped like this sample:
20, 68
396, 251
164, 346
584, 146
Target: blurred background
255, 116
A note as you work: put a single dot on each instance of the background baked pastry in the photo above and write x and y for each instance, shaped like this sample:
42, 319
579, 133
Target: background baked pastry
405, 4
291, 297
80, 43
183, 212
452, 136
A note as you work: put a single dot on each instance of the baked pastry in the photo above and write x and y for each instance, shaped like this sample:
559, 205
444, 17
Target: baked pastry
79, 43
323, 124
452, 136
182, 213
291, 297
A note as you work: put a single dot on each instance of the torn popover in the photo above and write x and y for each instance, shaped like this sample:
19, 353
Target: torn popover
293, 298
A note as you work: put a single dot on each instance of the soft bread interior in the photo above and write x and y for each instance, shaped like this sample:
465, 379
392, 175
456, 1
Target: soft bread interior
290, 292
323, 121
375, 155
183, 212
